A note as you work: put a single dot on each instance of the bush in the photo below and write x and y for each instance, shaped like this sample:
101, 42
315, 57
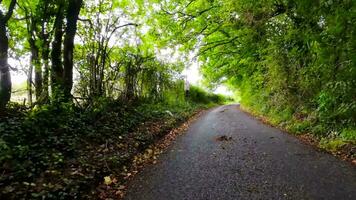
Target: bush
199, 95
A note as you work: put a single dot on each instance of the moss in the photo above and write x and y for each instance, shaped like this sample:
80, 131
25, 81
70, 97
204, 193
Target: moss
332, 144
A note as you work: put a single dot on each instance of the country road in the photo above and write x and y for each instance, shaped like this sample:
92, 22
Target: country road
257, 162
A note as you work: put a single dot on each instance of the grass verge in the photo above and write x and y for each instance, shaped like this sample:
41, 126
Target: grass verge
339, 143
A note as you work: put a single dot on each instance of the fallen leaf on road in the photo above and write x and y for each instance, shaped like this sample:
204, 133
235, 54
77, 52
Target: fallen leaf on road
224, 138
107, 180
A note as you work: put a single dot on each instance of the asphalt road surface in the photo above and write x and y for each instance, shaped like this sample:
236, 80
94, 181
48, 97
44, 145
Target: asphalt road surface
257, 162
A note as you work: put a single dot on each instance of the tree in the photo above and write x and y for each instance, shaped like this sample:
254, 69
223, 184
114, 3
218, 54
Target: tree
32, 29
62, 73
72, 16
5, 78
290, 57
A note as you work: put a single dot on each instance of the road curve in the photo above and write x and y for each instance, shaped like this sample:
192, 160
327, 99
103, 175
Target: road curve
259, 162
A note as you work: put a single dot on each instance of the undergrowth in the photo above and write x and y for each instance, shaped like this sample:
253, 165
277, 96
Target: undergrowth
63, 152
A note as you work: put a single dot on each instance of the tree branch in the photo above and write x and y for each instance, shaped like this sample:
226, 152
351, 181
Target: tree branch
86, 20
121, 26
215, 44
10, 11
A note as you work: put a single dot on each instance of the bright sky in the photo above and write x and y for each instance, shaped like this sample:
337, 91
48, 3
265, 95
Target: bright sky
18, 76
194, 77
191, 70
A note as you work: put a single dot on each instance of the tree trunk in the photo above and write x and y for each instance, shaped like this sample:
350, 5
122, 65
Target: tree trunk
29, 85
5, 77
56, 55
44, 37
71, 29
45, 60
129, 82
36, 65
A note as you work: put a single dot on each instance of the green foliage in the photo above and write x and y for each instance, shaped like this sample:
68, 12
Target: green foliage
292, 61
199, 95
348, 134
